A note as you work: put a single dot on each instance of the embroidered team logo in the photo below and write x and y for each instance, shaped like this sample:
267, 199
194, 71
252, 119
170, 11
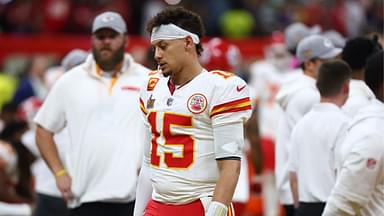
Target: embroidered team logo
152, 83
197, 103
371, 163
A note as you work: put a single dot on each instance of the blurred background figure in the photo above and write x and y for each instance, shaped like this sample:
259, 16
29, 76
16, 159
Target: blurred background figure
337, 39
7, 88
73, 58
355, 53
295, 98
297, 31
219, 53
266, 77
33, 83
359, 185
48, 197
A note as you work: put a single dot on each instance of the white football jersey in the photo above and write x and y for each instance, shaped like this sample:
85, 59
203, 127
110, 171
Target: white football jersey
182, 154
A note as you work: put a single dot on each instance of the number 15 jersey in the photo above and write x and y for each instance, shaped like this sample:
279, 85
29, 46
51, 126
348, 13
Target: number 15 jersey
183, 143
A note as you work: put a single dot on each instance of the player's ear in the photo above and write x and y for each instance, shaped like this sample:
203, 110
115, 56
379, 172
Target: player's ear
188, 42
345, 88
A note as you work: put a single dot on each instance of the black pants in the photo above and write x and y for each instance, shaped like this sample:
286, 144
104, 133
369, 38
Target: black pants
310, 209
104, 209
50, 206
289, 210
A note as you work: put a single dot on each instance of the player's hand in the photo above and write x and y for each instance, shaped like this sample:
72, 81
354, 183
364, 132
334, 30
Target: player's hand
64, 184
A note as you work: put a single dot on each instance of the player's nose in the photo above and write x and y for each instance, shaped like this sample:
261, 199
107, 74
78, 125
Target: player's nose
158, 54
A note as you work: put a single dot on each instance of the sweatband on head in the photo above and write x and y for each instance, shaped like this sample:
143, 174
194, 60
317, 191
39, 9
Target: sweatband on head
170, 32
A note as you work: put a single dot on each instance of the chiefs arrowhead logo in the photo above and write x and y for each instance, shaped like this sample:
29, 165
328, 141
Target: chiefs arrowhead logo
197, 103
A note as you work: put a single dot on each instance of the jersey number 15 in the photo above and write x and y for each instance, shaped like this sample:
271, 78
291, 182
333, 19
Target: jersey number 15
185, 142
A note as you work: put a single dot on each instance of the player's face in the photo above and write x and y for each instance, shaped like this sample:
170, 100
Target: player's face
313, 66
108, 48
169, 55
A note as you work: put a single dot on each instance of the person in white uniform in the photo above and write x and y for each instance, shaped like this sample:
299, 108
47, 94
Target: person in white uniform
296, 98
355, 53
359, 188
97, 102
197, 121
316, 139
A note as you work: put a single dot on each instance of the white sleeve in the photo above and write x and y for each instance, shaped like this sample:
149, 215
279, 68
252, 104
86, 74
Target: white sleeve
144, 186
230, 102
293, 149
229, 140
51, 115
12, 209
300, 104
144, 190
336, 149
357, 179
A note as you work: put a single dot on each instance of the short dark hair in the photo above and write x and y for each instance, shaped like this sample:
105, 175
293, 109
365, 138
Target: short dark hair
358, 50
332, 75
181, 17
374, 72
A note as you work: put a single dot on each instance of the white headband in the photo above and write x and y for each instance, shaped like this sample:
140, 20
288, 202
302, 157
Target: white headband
172, 31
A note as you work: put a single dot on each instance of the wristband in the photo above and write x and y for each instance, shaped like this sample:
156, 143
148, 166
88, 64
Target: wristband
217, 209
60, 172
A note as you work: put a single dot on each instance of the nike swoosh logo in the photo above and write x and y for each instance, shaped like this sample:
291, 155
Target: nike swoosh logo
239, 88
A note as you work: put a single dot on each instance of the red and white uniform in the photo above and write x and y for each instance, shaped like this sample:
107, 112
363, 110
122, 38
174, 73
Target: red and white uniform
183, 125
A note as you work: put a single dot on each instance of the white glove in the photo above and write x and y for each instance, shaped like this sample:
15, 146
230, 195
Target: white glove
217, 209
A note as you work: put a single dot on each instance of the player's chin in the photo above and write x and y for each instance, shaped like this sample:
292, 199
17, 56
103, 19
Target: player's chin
166, 72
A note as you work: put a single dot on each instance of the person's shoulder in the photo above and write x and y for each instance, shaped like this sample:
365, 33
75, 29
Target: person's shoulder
220, 77
73, 74
153, 78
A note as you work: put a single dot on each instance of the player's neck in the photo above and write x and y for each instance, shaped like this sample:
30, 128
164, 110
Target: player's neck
186, 74
338, 100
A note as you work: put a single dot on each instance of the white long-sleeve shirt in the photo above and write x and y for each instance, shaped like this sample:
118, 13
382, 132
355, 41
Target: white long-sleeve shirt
359, 187
359, 96
296, 98
315, 140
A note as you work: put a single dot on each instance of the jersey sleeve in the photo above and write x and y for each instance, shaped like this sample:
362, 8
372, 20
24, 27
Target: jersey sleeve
230, 108
51, 115
230, 102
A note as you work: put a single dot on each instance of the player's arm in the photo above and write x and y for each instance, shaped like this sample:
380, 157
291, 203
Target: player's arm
230, 109
51, 119
49, 152
229, 171
293, 160
294, 188
144, 185
229, 140
253, 135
